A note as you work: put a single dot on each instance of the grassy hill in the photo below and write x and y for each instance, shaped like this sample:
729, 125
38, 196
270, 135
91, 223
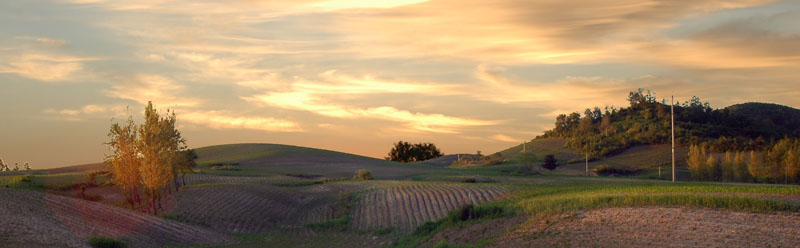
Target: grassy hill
275, 159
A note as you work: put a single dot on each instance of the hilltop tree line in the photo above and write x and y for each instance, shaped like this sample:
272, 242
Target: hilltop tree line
146, 158
5, 167
779, 163
405, 152
603, 132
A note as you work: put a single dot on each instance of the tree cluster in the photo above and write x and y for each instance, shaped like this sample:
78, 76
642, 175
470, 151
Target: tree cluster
603, 132
5, 167
779, 163
405, 152
148, 157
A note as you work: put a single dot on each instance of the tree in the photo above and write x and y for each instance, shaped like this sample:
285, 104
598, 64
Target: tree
697, 159
3, 165
158, 143
756, 165
405, 152
550, 162
26, 166
712, 171
741, 174
16, 166
793, 165
186, 163
125, 160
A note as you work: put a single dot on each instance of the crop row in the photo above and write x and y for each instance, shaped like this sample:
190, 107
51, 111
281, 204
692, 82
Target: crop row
408, 206
255, 208
63, 221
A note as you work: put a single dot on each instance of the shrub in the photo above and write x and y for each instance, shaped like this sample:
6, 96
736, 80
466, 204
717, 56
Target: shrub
605, 170
363, 174
106, 242
550, 162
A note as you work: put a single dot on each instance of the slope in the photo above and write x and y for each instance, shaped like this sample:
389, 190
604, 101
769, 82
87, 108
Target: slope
275, 159
34, 219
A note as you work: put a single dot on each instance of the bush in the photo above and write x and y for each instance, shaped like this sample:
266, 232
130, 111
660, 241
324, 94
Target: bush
363, 174
605, 170
550, 162
106, 242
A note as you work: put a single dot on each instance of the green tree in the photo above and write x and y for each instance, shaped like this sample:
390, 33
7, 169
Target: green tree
405, 152
550, 162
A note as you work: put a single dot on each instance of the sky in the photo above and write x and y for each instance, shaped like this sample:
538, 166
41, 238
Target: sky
357, 76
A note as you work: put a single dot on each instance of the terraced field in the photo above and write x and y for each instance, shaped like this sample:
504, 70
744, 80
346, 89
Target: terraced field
34, 219
408, 205
257, 208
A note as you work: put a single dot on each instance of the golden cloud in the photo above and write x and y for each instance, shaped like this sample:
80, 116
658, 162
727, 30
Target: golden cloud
223, 120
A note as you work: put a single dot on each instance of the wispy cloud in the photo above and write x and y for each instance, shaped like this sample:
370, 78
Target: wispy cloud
41, 58
223, 120
504, 138
90, 111
429, 122
148, 87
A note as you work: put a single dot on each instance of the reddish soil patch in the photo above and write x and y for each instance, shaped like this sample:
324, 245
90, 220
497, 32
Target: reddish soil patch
660, 227
34, 219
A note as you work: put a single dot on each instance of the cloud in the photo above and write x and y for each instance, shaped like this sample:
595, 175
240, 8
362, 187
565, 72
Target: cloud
148, 87
42, 58
223, 120
86, 112
504, 138
754, 42
549, 32
416, 121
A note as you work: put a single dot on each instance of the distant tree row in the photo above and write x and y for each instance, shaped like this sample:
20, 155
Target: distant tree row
405, 152
148, 157
5, 167
602, 132
777, 164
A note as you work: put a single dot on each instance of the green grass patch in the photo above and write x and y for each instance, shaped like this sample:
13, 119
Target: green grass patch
26, 182
106, 242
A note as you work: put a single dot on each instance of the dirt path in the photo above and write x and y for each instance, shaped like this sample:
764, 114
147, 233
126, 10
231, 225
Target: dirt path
34, 219
660, 227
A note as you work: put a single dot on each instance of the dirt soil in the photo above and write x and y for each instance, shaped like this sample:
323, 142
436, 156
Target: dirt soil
659, 227
35, 219
476, 233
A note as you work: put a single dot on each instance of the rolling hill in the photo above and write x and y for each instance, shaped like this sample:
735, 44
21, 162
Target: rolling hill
274, 159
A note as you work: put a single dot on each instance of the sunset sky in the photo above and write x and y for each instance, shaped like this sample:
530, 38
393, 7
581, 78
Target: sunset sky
356, 76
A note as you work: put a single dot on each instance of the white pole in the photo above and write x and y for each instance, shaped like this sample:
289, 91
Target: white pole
672, 114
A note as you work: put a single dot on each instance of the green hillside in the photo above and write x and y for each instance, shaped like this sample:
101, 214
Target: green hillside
275, 159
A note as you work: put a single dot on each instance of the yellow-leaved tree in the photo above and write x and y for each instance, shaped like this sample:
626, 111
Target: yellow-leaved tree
125, 160
148, 156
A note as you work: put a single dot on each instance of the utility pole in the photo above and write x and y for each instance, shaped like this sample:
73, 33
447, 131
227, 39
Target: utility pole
587, 164
672, 114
